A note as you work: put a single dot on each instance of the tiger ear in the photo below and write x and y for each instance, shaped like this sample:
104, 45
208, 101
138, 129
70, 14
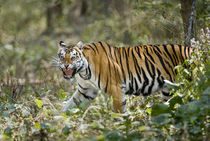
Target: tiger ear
80, 44
62, 44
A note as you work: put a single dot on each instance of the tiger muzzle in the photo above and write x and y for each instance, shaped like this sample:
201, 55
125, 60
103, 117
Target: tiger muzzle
69, 73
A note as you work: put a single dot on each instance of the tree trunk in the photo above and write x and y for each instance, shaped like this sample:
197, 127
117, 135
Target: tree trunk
107, 4
186, 7
53, 13
84, 8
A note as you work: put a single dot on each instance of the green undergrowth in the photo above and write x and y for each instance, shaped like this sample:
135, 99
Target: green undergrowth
30, 108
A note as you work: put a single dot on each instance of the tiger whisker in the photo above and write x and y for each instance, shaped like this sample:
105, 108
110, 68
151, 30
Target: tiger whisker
55, 62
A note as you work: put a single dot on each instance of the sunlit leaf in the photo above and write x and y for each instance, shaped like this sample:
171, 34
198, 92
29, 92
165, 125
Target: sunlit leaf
61, 94
37, 126
39, 103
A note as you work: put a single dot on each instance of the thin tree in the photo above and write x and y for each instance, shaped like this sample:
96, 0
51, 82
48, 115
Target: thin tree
187, 12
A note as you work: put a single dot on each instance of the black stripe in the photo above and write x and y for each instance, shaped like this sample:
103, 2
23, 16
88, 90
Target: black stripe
189, 52
92, 48
110, 50
122, 66
89, 72
147, 65
124, 103
87, 76
151, 86
146, 81
95, 46
86, 96
109, 69
172, 68
157, 47
166, 50
166, 93
128, 50
158, 78
80, 67
130, 91
150, 56
77, 102
103, 48
173, 48
136, 85
136, 48
153, 77
185, 52
153, 68
82, 87
138, 52
99, 79
162, 63
146, 48
107, 82
132, 81
137, 68
126, 59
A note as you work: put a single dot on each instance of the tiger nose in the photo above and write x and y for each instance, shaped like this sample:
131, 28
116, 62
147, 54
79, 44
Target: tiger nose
66, 66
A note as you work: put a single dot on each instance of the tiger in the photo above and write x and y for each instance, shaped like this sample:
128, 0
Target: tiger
118, 71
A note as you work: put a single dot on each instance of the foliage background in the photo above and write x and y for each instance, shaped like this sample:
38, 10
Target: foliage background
32, 90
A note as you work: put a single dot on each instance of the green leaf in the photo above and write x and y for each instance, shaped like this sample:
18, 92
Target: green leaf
8, 132
134, 136
37, 126
175, 100
65, 130
61, 94
207, 91
162, 119
195, 129
158, 109
39, 103
114, 135
149, 111
45, 126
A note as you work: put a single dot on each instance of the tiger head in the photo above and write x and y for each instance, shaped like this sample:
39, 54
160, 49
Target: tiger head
71, 60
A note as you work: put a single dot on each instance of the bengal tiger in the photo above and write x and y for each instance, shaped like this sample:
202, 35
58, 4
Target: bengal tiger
118, 71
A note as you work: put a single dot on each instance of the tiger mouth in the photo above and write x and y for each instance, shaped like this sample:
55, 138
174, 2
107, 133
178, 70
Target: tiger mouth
69, 73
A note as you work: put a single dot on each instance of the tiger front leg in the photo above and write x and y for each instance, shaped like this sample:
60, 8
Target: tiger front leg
85, 95
72, 102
